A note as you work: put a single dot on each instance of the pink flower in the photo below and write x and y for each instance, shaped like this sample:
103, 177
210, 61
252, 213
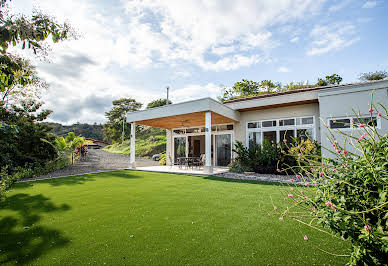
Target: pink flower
305, 197
362, 125
299, 154
379, 114
367, 227
370, 110
297, 176
301, 192
295, 200
349, 142
312, 169
338, 151
322, 166
275, 208
328, 203
314, 208
327, 170
302, 159
346, 165
307, 185
305, 238
291, 188
290, 195
321, 174
281, 218
362, 137
292, 180
333, 207
284, 140
334, 121
302, 148
278, 170
344, 152
285, 198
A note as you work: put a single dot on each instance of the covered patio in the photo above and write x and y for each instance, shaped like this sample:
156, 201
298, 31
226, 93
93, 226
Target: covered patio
201, 128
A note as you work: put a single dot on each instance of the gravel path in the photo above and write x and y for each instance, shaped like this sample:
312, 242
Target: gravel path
96, 161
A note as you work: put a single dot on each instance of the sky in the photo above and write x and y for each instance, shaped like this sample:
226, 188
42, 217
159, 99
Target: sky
137, 48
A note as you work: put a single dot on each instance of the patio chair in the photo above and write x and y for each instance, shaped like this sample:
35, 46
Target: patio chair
198, 162
172, 162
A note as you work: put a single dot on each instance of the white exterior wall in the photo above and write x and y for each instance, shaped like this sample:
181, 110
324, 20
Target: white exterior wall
169, 146
339, 104
311, 109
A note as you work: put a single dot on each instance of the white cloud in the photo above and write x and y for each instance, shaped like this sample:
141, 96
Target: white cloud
295, 39
339, 4
369, 4
332, 37
283, 69
195, 91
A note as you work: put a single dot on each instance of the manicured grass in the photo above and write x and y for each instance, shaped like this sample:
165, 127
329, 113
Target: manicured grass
132, 217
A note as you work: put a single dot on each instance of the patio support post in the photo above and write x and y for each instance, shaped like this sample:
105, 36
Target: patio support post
132, 163
208, 168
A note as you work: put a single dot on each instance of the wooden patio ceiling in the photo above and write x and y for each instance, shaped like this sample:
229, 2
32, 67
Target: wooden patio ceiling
185, 120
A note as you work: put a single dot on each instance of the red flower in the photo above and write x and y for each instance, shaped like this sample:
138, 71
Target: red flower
278, 170
362, 125
370, 110
290, 195
379, 114
367, 227
321, 174
297, 176
344, 152
307, 185
305, 238
338, 151
328, 203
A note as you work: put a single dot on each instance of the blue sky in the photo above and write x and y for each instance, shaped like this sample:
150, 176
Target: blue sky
136, 48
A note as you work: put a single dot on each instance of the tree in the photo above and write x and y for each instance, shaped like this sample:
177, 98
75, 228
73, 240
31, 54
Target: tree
157, 103
114, 127
376, 75
333, 79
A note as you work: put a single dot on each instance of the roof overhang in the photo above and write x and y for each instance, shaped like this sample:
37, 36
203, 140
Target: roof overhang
259, 103
186, 114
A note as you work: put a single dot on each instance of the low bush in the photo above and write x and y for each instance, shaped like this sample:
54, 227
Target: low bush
349, 191
163, 159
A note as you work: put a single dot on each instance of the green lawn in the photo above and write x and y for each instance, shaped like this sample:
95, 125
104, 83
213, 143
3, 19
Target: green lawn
131, 217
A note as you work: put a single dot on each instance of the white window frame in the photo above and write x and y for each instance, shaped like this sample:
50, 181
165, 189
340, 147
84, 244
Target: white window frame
351, 118
279, 128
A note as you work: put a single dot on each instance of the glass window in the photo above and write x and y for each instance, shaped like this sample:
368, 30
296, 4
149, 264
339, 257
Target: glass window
287, 122
254, 138
307, 120
214, 128
179, 148
252, 125
340, 123
222, 128
229, 127
366, 121
179, 131
271, 123
287, 135
270, 136
304, 133
202, 129
190, 130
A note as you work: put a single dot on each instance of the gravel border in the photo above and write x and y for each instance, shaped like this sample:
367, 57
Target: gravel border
262, 177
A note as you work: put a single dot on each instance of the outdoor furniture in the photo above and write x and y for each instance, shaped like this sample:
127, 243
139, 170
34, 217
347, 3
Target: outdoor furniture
199, 161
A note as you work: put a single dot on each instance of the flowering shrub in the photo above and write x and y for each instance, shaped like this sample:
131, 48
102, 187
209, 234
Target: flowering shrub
349, 190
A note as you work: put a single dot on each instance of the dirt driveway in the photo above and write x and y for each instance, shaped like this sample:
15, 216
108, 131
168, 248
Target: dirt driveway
97, 161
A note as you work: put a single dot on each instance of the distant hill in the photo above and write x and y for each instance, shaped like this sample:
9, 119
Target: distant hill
86, 130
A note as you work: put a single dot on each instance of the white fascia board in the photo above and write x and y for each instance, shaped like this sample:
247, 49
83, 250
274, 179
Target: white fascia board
274, 100
201, 105
383, 84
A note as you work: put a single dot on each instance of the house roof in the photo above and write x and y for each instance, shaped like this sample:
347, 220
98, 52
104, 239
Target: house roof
186, 114
304, 90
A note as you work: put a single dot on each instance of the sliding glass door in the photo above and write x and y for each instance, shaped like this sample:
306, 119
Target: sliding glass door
223, 149
179, 148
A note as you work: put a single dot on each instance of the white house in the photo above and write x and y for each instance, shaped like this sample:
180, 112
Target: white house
206, 126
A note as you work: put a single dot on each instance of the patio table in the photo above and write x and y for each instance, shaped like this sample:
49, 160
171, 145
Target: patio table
187, 161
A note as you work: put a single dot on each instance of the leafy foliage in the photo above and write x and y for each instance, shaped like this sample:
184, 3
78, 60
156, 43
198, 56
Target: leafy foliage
157, 103
333, 79
376, 75
93, 131
350, 191
163, 159
114, 127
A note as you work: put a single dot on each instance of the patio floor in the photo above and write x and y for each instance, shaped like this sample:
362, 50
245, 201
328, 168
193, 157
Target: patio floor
177, 170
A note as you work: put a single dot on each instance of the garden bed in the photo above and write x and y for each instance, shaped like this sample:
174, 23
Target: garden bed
263, 177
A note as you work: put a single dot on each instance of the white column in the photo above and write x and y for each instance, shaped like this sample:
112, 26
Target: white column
168, 146
208, 168
132, 163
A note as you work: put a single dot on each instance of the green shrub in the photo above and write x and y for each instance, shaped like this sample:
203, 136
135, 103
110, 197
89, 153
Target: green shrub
237, 167
349, 193
163, 159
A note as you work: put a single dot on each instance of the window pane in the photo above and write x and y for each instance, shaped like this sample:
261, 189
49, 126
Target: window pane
287, 122
179, 148
229, 127
270, 136
287, 134
254, 139
190, 130
202, 129
214, 128
221, 128
179, 131
307, 121
252, 125
304, 133
269, 123
366, 121
340, 123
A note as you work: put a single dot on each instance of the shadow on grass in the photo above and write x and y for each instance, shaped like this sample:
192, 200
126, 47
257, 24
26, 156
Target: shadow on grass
22, 241
231, 180
78, 179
